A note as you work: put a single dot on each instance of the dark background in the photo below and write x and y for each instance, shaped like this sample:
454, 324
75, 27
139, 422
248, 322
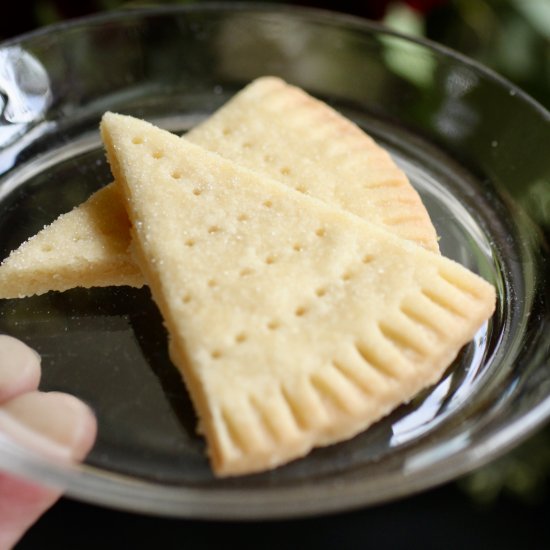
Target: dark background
503, 505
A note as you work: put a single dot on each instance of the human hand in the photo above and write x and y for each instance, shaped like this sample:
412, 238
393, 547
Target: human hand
54, 424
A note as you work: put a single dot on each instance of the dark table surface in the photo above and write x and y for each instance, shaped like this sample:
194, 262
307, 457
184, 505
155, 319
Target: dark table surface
445, 517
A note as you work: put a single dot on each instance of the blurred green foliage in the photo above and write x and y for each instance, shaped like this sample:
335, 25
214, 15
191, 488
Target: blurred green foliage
510, 36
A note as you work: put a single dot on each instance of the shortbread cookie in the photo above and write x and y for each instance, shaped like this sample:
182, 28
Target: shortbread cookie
271, 127
281, 131
85, 247
294, 324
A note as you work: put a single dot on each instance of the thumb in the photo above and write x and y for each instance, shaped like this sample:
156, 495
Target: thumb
53, 424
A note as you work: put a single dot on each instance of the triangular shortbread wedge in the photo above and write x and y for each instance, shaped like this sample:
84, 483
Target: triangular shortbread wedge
294, 324
271, 127
281, 131
66, 253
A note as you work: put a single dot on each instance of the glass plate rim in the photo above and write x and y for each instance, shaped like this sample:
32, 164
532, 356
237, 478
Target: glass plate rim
82, 481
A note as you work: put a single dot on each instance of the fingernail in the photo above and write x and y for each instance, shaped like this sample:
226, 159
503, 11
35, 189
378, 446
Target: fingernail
19, 367
54, 424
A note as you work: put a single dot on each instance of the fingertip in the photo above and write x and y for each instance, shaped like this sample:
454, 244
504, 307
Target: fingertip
19, 368
81, 433
54, 424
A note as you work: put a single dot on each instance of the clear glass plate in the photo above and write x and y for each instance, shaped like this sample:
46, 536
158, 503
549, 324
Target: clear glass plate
474, 146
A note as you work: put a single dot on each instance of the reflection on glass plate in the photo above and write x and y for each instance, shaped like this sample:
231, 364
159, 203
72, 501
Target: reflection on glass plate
473, 146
